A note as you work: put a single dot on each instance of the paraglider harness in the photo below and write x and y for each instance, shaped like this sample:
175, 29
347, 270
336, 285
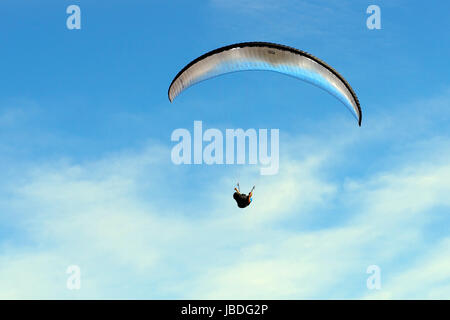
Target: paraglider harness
242, 199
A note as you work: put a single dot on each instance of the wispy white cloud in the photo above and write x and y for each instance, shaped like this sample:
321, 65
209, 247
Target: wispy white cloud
285, 19
119, 219
427, 278
14, 111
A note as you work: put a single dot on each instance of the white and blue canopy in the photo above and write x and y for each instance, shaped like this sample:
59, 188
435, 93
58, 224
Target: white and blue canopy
270, 57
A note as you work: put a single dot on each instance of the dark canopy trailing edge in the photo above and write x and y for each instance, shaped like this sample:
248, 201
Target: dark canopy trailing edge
271, 57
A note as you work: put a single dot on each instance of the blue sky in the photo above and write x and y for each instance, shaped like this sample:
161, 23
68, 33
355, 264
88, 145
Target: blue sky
87, 180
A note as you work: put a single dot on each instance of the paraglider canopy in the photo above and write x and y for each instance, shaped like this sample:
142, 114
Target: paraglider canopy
270, 57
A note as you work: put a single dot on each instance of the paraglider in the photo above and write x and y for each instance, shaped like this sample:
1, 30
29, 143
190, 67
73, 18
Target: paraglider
265, 56
242, 200
270, 57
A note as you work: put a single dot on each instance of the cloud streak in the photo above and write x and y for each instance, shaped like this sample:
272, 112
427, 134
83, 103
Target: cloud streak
309, 233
